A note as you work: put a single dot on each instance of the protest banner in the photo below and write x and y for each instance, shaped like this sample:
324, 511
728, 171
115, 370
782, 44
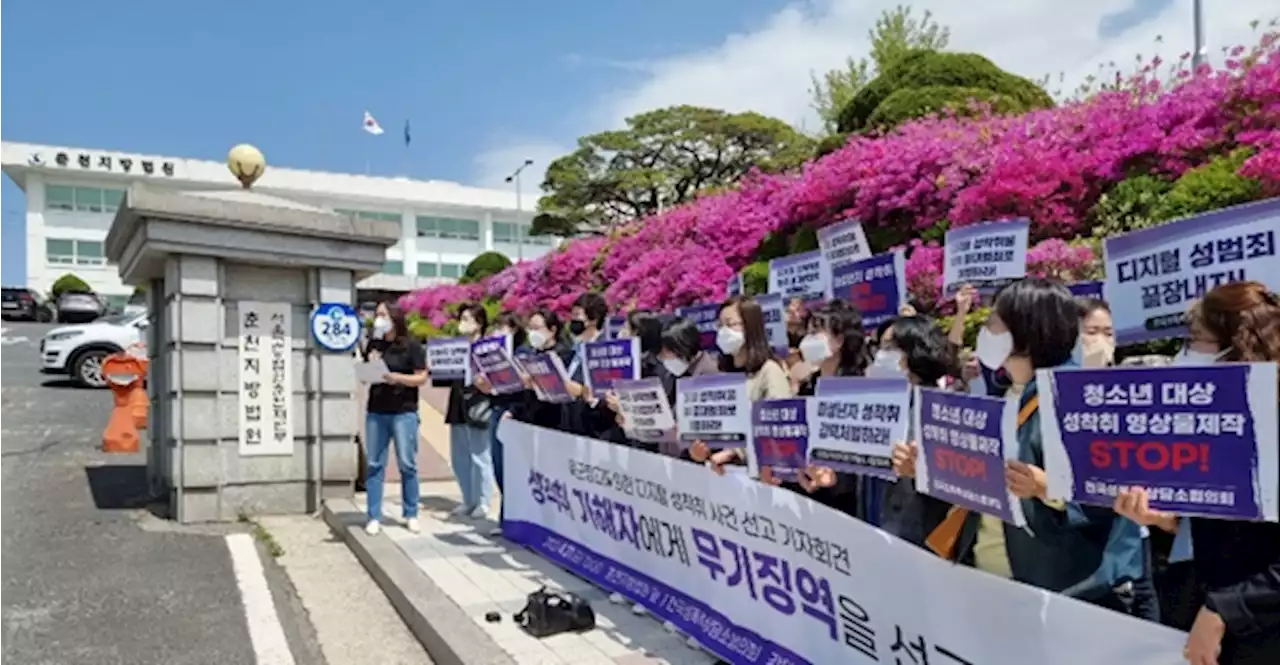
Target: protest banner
714, 408
1203, 440
773, 306
987, 255
854, 422
1086, 290
841, 243
734, 287
550, 380
447, 358
646, 415
779, 437
706, 316
614, 325
803, 275
1152, 275
611, 360
492, 356
877, 286
762, 575
964, 442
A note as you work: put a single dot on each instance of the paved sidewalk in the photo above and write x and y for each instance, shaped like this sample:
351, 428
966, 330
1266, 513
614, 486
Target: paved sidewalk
483, 574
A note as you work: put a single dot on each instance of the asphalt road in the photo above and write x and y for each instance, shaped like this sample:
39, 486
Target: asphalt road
91, 574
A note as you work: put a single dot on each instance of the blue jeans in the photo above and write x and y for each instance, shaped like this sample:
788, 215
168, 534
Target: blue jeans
472, 465
495, 452
380, 429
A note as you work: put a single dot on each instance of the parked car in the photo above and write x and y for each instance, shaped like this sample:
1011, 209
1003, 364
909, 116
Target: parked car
80, 307
78, 350
25, 304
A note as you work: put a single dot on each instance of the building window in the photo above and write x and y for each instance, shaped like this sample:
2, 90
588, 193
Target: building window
393, 267
59, 251
513, 233
82, 199
369, 214
428, 269
453, 270
448, 228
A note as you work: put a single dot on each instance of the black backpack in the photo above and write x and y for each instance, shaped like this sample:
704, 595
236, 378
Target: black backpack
548, 613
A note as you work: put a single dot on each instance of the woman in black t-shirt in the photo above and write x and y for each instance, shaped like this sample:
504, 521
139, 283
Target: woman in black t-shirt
392, 413
467, 416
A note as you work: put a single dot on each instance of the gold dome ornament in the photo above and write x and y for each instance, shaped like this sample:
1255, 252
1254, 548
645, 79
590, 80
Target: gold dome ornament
247, 164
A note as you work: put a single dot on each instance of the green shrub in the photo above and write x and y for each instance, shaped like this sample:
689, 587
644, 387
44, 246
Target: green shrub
911, 103
484, 265
1128, 206
831, 144
804, 240
67, 282
755, 278
1214, 186
972, 323
772, 246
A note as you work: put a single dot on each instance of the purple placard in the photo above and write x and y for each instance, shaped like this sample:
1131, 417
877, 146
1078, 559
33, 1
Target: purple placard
1086, 290
492, 357
775, 321
1188, 434
780, 436
705, 316
614, 325
960, 447
611, 360
548, 374
1118, 247
877, 286
734, 287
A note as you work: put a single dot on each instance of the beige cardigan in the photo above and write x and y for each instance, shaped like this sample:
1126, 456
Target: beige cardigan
770, 382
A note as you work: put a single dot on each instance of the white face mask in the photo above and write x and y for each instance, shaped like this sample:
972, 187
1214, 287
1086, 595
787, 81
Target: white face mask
888, 363
1190, 356
537, 339
625, 333
676, 366
467, 327
1100, 353
993, 349
729, 341
381, 326
815, 348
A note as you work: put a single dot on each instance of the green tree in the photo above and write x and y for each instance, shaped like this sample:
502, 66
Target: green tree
897, 32
484, 265
662, 158
68, 282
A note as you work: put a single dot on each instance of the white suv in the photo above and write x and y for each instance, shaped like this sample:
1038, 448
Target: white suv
78, 350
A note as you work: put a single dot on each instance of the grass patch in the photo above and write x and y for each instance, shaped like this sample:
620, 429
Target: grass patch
263, 536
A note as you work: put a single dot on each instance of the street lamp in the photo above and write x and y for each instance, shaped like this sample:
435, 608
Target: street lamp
1197, 15
246, 163
515, 177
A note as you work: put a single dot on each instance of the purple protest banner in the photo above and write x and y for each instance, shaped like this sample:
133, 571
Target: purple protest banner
876, 286
962, 452
492, 356
549, 377
611, 360
734, 287
1201, 439
705, 316
1086, 290
779, 437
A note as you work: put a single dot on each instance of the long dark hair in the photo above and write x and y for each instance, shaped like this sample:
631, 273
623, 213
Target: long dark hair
756, 349
929, 354
399, 323
478, 314
646, 327
513, 323
1042, 317
837, 317
552, 321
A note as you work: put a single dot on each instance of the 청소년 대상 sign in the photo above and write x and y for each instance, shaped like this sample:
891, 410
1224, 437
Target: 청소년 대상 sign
1153, 275
611, 360
759, 574
988, 255
854, 422
779, 437
1203, 440
266, 378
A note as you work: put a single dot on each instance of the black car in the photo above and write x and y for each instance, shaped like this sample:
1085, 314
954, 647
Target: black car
21, 303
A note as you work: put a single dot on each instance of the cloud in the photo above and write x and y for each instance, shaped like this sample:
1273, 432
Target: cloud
768, 69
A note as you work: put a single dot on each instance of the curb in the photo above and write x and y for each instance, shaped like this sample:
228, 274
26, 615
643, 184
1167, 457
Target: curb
444, 629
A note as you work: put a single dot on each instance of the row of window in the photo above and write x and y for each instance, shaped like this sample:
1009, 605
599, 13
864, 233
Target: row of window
82, 199
452, 270
59, 251
450, 228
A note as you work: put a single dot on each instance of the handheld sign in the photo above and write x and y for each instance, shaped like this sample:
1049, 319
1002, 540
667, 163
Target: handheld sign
335, 326
646, 415
876, 286
492, 356
779, 437
988, 255
614, 325
1086, 290
448, 358
773, 306
550, 380
714, 408
611, 360
803, 275
855, 421
843, 242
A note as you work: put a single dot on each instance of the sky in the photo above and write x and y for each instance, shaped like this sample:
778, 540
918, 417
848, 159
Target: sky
487, 85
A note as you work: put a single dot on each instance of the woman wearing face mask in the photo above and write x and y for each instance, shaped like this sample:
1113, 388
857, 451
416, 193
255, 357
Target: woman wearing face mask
508, 325
1237, 563
467, 416
1086, 552
601, 419
392, 413
1097, 334
545, 334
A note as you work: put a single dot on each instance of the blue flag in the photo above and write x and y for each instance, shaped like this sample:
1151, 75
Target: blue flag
406, 134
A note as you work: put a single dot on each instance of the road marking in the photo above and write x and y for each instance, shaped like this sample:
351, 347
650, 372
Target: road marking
269, 644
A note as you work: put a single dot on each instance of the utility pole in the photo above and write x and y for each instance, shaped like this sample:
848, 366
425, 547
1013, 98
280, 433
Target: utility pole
1198, 56
515, 177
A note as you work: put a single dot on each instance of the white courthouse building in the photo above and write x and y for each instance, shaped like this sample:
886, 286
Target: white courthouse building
73, 194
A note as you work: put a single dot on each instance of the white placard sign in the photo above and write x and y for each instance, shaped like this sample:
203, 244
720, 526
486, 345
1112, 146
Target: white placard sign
841, 243
803, 275
646, 415
988, 255
266, 378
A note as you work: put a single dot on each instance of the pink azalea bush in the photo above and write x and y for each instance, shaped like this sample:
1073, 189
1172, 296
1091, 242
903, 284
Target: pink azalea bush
1049, 166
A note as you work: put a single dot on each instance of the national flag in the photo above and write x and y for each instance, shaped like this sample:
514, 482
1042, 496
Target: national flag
371, 125
407, 139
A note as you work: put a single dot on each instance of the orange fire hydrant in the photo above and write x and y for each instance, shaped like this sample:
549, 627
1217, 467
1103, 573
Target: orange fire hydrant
124, 373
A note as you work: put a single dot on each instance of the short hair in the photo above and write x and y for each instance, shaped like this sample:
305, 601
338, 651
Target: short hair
756, 349
838, 317
551, 320
594, 306
929, 354
512, 322
682, 338
646, 327
1090, 305
1042, 317
478, 314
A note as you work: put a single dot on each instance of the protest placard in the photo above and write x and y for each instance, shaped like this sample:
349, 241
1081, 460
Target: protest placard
614, 325
646, 415
877, 286
773, 307
611, 360
803, 275
734, 287
714, 408
1203, 440
779, 437
706, 317
841, 243
1154, 274
854, 422
447, 358
987, 255
964, 443
1086, 289
550, 380
492, 356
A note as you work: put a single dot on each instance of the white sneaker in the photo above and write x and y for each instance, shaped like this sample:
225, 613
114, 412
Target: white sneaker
373, 527
617, 599
479, 513
639, 610
459, 511
670, 627
413, 525
495, 532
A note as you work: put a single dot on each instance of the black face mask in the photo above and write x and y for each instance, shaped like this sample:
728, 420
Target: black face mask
576, 327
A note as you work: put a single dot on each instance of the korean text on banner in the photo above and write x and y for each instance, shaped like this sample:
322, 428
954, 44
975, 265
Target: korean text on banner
1202, 440
964, 442
611, 360
779, 437
1152, 275
877, 286
854, 422
759, 574
773, 307
734, 287
492, 355
705, 316
843, 243
714, 408
646, 415
614, 325
550, 380
987, 255
1086, 290
803, 275
447, 358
